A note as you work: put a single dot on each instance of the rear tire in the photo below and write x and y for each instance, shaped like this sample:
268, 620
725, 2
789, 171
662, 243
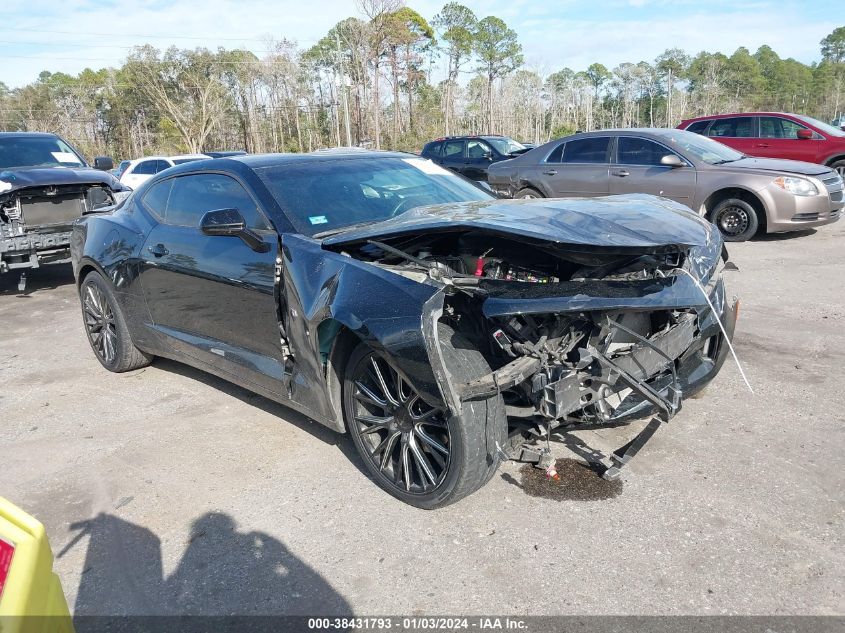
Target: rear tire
528, 193
736, 219
106, 328
431, 460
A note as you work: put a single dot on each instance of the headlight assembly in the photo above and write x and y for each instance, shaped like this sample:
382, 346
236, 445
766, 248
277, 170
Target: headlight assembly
797, 186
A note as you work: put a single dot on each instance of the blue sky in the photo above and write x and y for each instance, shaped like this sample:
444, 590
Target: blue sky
70, 35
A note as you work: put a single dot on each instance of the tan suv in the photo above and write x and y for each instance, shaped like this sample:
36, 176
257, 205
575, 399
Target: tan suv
738, 193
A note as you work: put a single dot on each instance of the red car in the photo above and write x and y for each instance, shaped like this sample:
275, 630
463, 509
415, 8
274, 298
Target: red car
775, 135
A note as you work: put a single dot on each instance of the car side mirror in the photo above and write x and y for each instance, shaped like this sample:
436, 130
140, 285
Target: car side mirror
804, 134
230, 222
488, 155
671, 160
104, 163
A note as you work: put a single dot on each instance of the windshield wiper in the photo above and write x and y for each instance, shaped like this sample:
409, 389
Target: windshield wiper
343, 229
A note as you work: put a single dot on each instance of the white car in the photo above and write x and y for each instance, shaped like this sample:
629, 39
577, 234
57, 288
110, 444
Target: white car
142, 169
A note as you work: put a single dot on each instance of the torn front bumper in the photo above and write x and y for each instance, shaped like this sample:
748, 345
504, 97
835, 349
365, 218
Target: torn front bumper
658, 371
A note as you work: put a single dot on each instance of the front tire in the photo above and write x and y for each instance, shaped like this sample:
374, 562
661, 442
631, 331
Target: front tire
839, 167
528, 194
106, 328
736, 219
413, 451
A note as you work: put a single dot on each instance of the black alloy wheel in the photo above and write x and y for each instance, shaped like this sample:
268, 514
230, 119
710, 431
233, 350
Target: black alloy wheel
99, 323
407, 440
106, 327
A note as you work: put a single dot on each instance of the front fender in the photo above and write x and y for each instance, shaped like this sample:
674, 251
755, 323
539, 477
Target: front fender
394, 315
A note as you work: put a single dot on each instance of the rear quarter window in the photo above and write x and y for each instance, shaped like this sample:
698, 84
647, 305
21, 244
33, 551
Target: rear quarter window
733, 127
698, 127
432, 149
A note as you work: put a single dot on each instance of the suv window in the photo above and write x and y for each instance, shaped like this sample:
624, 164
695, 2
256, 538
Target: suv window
776, 127
640, 151
586, 150
432, 149
733, 127
477, 149
698, 127
146, 168
193, 196
453, 149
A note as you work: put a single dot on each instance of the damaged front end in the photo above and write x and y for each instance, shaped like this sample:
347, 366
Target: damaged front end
576, 334
37, 213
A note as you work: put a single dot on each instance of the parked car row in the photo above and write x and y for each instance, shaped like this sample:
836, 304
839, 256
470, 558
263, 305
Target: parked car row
738, 193
761, 171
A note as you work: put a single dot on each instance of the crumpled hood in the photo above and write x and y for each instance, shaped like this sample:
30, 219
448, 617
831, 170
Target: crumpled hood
21, 178
779, 165
627, 221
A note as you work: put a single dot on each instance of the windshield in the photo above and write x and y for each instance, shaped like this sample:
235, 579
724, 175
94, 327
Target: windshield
326, 195
37, 151
181, 161
703, 148
824, 127
505, 145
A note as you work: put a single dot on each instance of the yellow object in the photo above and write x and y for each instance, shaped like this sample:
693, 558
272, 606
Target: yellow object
31, 588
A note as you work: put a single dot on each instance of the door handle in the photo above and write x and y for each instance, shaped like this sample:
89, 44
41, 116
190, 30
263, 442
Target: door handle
550, 172
622, 173
762, 145
158, 250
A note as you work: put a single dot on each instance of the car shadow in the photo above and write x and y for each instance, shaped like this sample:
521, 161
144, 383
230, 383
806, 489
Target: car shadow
222, 571
779, 237
47, 277
286, 414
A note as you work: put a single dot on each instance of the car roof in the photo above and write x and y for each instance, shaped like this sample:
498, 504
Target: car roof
27, 134
653, 131
138, 160
462, 136
732, 114
345, 153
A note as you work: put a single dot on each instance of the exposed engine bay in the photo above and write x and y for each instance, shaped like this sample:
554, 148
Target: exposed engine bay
580, 336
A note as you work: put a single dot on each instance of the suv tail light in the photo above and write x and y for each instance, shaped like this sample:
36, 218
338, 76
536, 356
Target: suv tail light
7, 551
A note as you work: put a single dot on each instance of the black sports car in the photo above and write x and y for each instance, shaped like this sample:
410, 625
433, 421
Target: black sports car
382, 295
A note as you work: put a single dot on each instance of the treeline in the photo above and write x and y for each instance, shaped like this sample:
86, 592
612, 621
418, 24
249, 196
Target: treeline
391, 78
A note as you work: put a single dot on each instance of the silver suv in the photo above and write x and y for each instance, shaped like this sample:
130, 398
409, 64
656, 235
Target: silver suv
738, 193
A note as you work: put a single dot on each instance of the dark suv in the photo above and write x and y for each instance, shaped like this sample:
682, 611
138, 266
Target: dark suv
470, 156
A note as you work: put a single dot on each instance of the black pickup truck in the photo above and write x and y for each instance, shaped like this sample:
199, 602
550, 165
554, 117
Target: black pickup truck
45, 185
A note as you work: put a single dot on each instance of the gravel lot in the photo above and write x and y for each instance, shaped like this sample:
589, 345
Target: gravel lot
169, 491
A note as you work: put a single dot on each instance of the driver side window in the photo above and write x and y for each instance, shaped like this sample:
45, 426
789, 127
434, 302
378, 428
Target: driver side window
191, 197
477, 149
776, 127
